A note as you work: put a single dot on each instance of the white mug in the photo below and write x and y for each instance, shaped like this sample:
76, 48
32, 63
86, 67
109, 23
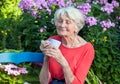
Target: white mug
54, 42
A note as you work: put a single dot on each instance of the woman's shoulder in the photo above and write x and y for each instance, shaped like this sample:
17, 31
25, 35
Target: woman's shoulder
89, 45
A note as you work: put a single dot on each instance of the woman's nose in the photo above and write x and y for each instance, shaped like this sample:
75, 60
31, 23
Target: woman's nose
63, 24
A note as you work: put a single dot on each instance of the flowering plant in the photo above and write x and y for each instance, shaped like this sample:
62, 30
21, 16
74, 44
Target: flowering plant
12, 73
18, 74
14, 70
39, 7
102, 26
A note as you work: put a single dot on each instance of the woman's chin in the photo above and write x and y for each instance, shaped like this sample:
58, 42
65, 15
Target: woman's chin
62, 34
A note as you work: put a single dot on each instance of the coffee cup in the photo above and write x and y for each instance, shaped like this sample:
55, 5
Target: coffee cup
54, 42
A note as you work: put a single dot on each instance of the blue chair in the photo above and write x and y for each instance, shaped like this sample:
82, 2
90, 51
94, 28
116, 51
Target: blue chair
17, 58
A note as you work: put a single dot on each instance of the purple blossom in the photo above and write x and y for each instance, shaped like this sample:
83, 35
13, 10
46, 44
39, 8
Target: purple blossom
95, 2
69, 3
107, 24
119, 17
61, 3
23, 70
91, 21
26, 4
42, 29
115, 3
104, 29
51, 2
11, 69
48, 10
34, 13
85, 8
35, 6
107, 8
88, 1
39, 4
103, 1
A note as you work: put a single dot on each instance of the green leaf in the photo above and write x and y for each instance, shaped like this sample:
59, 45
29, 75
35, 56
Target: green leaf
96, 6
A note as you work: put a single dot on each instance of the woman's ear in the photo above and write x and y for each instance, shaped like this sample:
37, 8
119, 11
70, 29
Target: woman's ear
76, 29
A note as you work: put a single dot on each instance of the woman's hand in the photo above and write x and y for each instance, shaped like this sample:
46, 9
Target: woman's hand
56, 54
52, 51
44, 45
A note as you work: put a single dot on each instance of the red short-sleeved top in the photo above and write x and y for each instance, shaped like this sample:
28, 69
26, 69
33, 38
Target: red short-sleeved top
79, 59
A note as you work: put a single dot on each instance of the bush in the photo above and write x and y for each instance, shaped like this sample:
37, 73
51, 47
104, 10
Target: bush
26, 30
102, 29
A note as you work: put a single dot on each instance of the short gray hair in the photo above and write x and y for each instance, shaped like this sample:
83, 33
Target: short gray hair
73, 13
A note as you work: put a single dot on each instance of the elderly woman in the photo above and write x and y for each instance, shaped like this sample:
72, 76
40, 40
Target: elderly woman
70, 63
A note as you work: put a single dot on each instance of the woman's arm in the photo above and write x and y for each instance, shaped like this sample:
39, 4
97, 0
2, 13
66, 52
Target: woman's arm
57, 55
68, 74
82, 66
44, 73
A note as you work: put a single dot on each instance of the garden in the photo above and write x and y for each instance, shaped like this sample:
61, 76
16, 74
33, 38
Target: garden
24, 23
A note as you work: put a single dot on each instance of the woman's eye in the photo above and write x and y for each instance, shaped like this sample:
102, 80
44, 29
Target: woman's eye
68, 22
60, 21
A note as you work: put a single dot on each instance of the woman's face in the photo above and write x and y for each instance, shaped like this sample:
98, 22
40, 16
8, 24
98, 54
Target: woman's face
65, 26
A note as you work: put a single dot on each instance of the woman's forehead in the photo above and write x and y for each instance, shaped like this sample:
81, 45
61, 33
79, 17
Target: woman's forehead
64, 16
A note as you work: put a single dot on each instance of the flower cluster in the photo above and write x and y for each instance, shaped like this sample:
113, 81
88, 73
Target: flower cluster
85, 8
14, 70
35, 6
107, 7
91, 20
107, 24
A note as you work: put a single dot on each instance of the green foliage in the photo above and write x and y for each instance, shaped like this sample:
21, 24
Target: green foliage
106, 64
30, 77
92, 78
21, 31
5, 79
9, 24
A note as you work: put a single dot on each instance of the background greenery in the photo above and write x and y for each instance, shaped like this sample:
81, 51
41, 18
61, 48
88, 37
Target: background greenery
20, 31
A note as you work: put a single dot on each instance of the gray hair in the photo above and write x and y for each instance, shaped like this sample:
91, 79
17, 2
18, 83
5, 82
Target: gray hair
73, 13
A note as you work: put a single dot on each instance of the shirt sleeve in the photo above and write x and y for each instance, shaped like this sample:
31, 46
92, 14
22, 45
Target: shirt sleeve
83, 66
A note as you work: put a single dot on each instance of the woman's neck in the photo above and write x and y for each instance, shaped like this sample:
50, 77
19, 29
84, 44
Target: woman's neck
70, 41
73, 41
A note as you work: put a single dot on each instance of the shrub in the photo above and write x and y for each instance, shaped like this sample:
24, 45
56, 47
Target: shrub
25, 30
101, 29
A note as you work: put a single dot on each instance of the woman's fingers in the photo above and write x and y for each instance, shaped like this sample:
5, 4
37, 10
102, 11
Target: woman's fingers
44, 44
52, 52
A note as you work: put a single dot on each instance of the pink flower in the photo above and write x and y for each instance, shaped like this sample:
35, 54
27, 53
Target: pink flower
91, 21
41, 30
23, 70
85, 8
11, 69
107, 24
107, 8
103, 1
115, 3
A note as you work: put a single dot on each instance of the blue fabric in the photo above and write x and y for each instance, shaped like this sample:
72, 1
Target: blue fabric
21, 57
56, 82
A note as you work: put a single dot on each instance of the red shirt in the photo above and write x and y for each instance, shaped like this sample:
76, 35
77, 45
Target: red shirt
79, 59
